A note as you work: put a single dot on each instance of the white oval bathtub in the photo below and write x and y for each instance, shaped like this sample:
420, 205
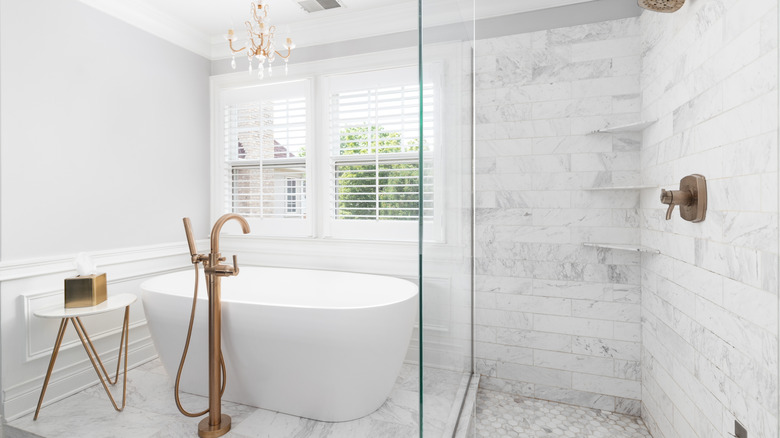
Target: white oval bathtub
317, 344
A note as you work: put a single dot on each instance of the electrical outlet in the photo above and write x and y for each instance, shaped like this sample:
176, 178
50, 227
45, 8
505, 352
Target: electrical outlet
739, 430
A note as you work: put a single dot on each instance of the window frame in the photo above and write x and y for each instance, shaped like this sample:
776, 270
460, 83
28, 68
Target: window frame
319, 224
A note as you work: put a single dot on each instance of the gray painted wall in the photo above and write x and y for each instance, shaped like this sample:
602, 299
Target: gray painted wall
105, 132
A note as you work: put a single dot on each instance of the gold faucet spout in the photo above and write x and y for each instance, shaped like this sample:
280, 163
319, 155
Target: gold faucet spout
218, 227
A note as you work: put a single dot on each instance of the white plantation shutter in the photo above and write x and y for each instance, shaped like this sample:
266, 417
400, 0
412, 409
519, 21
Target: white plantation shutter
265, 141
265, 155
374, 144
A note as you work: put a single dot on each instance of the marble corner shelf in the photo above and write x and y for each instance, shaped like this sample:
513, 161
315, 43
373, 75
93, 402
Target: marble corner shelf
622, 247
629, 127
604, 189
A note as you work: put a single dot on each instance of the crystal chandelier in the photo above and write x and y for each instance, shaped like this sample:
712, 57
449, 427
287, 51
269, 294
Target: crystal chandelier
260, 42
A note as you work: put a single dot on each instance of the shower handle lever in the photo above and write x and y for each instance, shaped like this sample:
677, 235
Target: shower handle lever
675, 197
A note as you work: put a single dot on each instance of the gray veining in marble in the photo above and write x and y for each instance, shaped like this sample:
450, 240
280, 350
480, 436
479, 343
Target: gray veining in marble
151, 412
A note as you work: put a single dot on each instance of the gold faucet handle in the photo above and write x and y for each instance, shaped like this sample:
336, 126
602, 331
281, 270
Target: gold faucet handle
669, 212
235, 264
692, 198
667, 197
225, 270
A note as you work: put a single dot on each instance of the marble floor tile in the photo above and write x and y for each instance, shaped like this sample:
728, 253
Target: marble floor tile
501, 415
151, 412
83, 415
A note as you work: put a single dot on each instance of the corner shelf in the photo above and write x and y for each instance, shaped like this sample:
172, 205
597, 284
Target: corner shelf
622, 247
603, 189
630, 127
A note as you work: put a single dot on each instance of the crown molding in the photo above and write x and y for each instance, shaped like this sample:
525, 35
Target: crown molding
151, 20
326, 28
399, 17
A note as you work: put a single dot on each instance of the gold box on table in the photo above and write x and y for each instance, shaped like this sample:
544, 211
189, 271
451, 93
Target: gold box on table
85, 290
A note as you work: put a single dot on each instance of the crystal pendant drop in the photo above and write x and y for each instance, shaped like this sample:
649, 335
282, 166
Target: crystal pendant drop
260, 74
270, 70
233, 63
285, 67
250, 65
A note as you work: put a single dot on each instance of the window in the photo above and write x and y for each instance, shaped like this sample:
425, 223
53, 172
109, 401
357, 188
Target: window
265, 138
375, 143
333, 155
374, 148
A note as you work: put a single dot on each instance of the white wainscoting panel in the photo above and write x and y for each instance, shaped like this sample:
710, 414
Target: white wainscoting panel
27, 341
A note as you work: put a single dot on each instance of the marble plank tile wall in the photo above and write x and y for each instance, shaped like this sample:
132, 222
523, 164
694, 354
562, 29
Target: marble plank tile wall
709, 301
554, 319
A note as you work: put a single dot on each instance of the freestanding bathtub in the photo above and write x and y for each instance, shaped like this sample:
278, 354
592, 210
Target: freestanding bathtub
317, 344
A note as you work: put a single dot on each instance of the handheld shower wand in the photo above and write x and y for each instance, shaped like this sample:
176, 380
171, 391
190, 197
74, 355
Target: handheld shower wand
195, 259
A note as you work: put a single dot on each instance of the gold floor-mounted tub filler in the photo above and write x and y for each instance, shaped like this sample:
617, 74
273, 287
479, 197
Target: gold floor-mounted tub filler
217, 423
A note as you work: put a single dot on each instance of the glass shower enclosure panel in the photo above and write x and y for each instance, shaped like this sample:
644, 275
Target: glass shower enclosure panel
446, 162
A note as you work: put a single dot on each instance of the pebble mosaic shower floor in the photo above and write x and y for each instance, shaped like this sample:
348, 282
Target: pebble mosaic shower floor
502, 415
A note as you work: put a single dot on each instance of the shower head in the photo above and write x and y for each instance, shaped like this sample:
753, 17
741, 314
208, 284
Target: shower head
661, 5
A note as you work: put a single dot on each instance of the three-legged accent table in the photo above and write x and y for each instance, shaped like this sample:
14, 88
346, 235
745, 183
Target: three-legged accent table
74, 316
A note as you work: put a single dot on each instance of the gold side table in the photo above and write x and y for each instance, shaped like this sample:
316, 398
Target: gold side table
74, 316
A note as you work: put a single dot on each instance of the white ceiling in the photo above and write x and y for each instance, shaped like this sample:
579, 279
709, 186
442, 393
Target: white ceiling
199, 25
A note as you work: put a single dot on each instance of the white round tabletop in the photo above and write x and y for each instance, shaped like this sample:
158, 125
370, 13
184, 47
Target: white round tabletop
111, 303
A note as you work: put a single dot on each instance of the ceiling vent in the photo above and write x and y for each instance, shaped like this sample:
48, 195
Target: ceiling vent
318, 5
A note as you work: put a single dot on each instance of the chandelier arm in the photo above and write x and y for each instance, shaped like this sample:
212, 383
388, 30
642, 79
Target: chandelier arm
235, 50
251, 32
249, 27
289, 52
265, 43
253, 9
